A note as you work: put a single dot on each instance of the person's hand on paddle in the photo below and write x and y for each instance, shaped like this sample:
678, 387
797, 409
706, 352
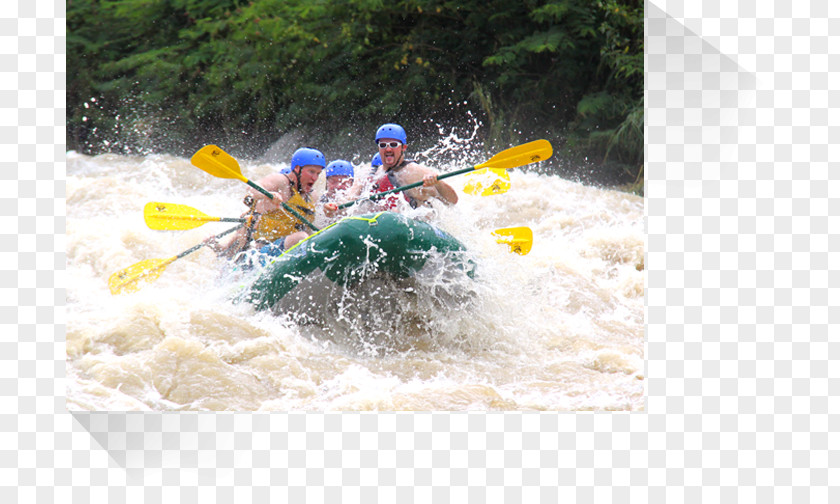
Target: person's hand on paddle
223, 249
444, 190
521, 155
330, 210
266, 205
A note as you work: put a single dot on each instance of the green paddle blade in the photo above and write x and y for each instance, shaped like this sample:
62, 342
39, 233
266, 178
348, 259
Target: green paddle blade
519, 239
171, 216
487, 182
531, 152
131, 279
216, 162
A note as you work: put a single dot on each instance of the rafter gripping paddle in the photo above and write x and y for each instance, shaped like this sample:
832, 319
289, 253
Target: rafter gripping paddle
216, 162
531, 152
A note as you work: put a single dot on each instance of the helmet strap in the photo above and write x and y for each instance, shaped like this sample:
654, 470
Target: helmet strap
296, 170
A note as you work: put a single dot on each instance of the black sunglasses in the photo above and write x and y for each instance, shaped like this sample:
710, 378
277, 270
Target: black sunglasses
392, 145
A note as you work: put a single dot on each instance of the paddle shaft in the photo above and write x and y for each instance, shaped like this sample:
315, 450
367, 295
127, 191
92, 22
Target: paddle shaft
287, 207
193, 249
201, 219
403, 188
127, 280
531, 152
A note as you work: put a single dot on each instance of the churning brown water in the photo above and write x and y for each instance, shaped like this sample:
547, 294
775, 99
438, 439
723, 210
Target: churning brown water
559, 329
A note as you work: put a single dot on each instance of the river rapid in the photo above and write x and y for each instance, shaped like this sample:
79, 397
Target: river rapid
561, 328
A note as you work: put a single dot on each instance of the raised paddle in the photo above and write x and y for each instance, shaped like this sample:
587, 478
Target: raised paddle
519, 239
172, 216
131, 279
219, 163
531, 152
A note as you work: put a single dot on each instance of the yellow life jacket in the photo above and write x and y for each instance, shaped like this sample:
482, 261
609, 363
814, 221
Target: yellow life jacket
280, 223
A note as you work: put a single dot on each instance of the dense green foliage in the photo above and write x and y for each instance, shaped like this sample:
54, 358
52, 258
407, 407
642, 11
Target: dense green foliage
173, 75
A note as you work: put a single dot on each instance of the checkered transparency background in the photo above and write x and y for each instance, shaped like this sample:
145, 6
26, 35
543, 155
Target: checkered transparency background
743, 405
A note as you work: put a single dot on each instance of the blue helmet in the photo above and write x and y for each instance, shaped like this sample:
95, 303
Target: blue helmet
339, 167
287, 169
307, 156
376, 161
391, 131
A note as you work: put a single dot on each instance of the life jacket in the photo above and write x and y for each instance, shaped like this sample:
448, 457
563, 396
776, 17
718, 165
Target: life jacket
388, 182
279, 223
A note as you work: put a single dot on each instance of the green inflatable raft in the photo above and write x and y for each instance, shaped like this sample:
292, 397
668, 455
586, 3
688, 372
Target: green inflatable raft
356, 248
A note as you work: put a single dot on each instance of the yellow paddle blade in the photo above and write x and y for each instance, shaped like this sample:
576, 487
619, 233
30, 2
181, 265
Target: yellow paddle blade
487, 181
216, 162
135, 276
531, 152
171, 216
519, 239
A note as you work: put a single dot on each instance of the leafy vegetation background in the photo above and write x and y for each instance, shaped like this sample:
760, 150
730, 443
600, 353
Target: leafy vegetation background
174, 75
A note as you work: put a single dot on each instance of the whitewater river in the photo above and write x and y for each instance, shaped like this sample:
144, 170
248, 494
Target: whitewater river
561, 328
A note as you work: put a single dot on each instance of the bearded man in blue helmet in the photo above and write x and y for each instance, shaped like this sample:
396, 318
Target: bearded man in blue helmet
397, 170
